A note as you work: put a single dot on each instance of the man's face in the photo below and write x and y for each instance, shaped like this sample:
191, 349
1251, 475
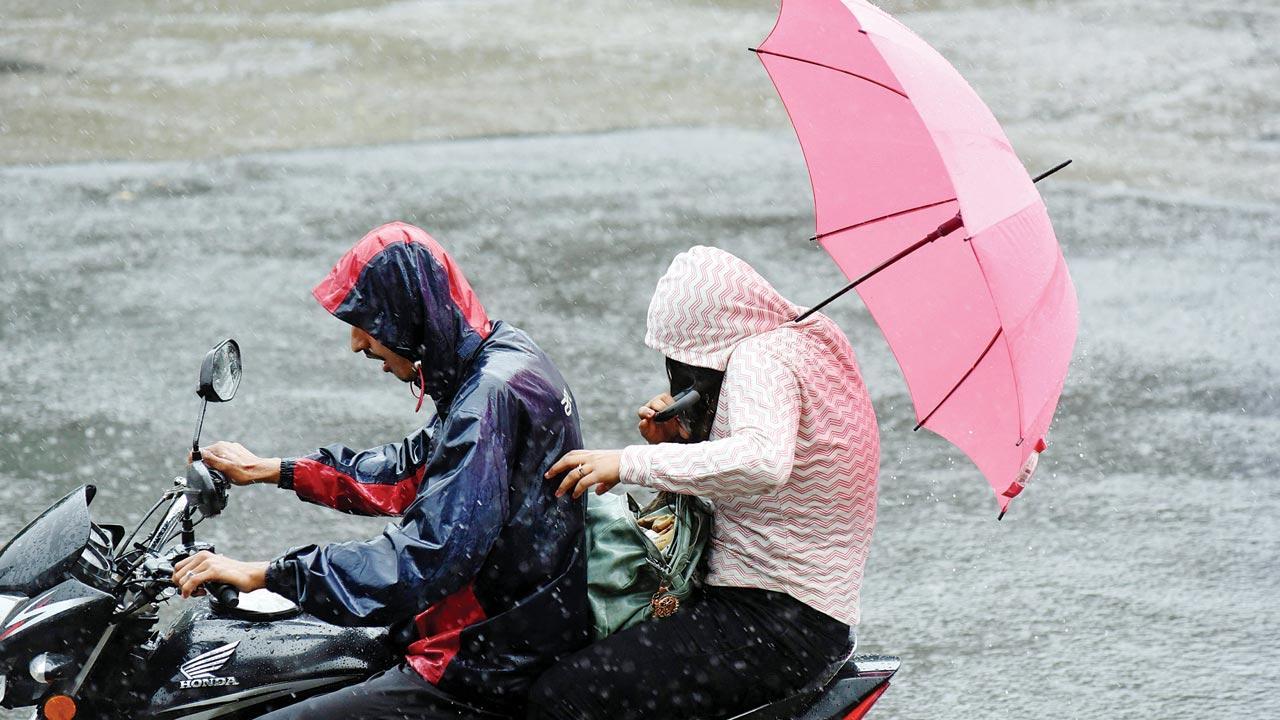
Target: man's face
363, 342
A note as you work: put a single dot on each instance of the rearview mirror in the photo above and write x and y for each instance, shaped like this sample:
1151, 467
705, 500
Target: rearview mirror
220, 372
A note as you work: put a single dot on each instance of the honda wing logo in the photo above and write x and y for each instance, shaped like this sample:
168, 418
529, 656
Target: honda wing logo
199, 670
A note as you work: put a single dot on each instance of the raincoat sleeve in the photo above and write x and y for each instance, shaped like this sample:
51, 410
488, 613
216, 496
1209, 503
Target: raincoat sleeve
378, 481
437, 548
760, 406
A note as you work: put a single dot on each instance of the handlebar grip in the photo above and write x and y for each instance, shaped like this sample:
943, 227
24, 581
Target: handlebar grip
225, 595
685, 400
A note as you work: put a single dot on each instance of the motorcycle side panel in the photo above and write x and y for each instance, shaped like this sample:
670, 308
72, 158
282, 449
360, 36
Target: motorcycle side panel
60, 620
211, 666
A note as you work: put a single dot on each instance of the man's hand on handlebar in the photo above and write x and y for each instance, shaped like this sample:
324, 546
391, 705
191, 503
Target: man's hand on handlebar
659, 432
239, 465
205, 567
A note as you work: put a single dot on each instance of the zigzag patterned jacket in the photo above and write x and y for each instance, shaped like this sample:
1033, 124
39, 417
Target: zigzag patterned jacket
794, 452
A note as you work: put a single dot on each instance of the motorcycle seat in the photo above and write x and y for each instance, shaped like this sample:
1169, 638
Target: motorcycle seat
827, 675
830, 695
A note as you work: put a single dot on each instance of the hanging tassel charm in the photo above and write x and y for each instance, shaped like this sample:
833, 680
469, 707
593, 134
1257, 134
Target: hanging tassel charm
421, 393
663, 604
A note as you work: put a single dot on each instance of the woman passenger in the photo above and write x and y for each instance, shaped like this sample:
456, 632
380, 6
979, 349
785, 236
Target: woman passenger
791, 467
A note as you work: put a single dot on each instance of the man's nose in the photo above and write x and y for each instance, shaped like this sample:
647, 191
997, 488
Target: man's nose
358, 343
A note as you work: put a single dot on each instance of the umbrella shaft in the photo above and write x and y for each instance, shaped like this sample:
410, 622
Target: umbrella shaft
942, 230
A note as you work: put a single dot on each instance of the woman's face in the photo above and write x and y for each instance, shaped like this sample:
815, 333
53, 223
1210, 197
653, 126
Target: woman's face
696, 423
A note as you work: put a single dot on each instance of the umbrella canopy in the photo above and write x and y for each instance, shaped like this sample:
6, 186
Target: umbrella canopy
917, 188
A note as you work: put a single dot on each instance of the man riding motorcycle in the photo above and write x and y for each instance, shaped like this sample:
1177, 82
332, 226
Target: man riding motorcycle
490, 566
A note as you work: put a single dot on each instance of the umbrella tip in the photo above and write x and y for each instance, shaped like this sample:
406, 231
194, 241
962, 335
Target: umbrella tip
1001, 515
1051, 171
754, 50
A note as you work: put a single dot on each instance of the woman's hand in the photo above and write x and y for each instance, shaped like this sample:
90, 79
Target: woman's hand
239, 465
659, 432
584, 469
204, 567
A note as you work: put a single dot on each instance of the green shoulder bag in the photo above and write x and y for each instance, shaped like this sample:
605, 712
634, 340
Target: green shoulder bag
632, 575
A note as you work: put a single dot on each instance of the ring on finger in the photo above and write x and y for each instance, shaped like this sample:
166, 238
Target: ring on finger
190, 574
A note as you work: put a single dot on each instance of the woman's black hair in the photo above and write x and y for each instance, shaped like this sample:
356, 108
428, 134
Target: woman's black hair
699, 418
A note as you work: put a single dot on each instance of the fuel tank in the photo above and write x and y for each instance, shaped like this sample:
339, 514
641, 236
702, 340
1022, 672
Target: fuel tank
216, 663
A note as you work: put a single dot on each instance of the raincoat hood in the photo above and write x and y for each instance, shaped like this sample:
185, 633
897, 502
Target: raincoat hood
709, 301
400, 286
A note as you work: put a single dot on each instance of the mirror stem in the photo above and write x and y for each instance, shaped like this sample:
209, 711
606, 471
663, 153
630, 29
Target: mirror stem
188, 528
195, 440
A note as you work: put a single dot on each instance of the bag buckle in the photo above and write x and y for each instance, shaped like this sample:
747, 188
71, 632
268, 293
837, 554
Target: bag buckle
664, 604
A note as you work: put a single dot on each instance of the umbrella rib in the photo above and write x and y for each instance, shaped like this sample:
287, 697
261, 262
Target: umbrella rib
1017, 389
893, 90
976, 363
872, 221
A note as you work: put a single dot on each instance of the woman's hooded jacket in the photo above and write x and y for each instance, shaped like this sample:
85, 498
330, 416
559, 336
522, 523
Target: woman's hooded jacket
794, 452
485, 561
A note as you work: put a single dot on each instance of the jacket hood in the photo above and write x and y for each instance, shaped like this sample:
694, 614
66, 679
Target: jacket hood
400, 286
708, 302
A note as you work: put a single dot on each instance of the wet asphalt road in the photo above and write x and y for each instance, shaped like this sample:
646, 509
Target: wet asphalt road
1136, 577
1142, 555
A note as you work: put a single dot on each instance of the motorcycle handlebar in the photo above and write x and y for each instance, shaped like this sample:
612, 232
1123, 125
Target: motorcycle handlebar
223, 594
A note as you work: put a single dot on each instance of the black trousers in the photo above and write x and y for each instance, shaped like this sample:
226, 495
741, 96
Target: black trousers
396, 694
734, 650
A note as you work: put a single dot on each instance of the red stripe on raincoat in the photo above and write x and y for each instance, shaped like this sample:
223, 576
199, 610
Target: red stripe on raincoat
440, 627
326, 486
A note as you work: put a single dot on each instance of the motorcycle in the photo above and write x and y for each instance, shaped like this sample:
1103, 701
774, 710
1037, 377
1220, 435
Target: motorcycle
79, 606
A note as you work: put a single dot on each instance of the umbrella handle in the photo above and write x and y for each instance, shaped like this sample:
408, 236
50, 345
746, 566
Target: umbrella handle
681, 402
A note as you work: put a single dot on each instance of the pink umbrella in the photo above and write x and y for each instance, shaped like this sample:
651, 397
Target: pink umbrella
920, 197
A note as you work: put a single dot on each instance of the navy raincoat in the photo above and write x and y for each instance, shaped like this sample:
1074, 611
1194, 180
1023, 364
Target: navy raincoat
487, 562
